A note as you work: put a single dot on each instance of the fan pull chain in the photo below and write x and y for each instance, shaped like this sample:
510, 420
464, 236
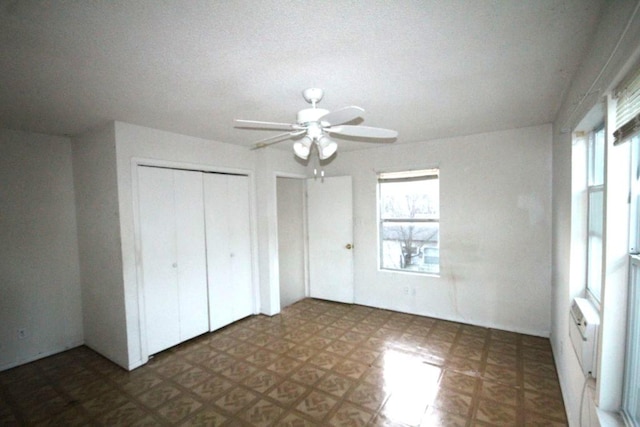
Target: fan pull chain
315, 174
315, 168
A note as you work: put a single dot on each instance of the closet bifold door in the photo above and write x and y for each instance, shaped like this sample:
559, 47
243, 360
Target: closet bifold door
173, 256
228, 230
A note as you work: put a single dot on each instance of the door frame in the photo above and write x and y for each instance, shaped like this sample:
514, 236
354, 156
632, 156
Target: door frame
275, 277
135, 189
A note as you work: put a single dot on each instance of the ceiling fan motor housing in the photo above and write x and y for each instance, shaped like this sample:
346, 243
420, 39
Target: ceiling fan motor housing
309, 115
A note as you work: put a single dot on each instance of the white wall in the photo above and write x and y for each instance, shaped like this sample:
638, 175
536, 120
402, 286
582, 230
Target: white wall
39, 272
94, 167
495, 199
611, 53
291, 239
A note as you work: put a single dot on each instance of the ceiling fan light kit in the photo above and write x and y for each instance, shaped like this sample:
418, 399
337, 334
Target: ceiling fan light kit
303, 148
314, 123
326, 147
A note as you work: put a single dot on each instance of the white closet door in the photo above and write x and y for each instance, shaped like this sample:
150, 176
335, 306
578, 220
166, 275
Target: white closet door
173, 256
240, 244
160, 275
191, 254
228, 248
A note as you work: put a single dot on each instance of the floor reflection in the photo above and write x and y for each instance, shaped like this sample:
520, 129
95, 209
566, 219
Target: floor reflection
412, 385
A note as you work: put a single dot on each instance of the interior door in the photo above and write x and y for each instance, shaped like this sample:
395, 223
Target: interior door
330, 213
228, 230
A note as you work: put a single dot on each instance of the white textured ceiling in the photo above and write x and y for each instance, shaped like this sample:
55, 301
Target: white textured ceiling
427, 69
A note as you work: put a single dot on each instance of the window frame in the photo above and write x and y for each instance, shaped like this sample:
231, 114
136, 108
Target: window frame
406, 176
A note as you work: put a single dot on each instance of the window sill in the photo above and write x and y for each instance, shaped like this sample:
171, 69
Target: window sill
409, 272
610, 419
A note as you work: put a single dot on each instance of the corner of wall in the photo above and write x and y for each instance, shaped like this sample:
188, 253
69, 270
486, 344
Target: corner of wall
94, 170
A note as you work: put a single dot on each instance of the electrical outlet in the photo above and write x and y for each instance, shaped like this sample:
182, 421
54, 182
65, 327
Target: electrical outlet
22, 333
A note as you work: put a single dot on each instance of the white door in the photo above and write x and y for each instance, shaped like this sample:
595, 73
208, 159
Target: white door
191, 254
173, 256
228, 231
160, 276
330, 219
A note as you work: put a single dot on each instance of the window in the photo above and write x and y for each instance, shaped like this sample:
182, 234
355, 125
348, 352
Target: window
631, 388
634, 199
409, 212
595, 209
628, 130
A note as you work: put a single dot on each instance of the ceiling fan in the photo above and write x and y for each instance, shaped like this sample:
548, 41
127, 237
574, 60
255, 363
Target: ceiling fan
315, 123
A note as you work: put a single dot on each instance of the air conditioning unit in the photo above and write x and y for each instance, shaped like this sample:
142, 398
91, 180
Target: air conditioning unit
584, 320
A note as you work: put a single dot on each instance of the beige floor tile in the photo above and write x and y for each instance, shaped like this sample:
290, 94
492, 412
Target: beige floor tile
207, 416
287, 392
317, 405
262, 413
349, 415
502, 393
158, 395
454, 403
459, 382
125, 415
236, 399
497, 413
368, 396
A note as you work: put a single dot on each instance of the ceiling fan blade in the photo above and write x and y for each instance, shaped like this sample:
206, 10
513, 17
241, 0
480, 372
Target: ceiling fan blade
255, 124
362, 131
275, 139
342, 115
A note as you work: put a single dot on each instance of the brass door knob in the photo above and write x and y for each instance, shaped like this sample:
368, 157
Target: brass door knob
349, 246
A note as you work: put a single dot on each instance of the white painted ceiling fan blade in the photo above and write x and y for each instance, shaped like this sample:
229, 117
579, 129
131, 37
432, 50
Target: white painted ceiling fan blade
275, 139
342, 115
363, 131
256, 124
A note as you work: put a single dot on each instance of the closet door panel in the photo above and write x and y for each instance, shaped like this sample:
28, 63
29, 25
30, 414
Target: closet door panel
228, 248
240, 245
159, 269
191, 254
221, 293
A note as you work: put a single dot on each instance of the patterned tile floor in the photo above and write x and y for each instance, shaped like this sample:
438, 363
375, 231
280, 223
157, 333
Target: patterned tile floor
317, 363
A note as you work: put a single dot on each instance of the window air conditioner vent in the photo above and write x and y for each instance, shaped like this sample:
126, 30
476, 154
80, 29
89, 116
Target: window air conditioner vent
584, 320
